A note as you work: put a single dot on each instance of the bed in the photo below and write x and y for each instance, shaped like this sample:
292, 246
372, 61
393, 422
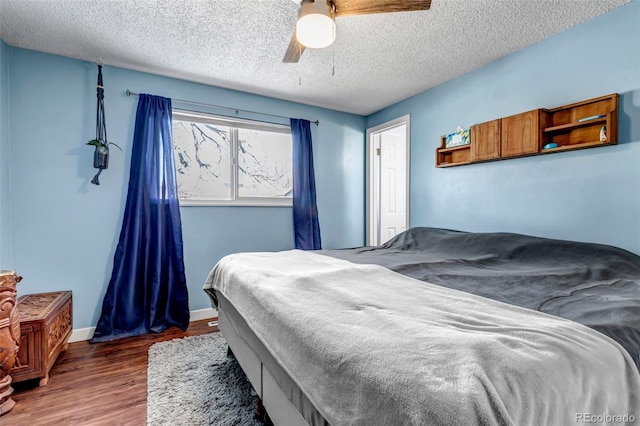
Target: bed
437, 327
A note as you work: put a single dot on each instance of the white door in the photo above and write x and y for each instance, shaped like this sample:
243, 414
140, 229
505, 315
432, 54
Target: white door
388, 207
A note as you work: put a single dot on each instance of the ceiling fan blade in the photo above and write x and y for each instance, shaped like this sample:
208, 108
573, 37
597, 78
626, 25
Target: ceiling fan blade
294, 51
362, 7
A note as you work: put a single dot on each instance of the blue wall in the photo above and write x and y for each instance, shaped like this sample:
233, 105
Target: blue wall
589, 195
5, 223
65, 229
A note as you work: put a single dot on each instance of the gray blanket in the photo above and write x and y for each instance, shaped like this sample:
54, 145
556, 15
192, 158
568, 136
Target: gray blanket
593, 284
372, 347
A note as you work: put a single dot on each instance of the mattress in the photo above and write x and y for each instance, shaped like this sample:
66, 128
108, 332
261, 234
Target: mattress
234, 325
366, 345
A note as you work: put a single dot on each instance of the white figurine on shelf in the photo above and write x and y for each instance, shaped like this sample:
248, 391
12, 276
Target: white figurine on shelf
603, 134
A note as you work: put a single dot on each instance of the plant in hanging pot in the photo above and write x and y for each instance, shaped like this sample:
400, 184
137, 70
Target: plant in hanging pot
101, 154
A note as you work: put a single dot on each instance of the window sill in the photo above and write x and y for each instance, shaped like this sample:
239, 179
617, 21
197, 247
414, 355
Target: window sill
237, 203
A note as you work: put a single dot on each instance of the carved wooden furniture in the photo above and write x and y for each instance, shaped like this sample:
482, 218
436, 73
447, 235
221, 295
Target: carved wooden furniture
9, 336
45, 326
585, 124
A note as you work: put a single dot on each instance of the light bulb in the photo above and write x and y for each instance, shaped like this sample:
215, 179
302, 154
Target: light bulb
315, 28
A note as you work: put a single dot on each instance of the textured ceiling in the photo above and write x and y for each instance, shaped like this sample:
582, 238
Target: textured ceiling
239, 44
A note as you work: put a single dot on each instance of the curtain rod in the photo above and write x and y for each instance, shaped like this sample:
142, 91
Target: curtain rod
130, 93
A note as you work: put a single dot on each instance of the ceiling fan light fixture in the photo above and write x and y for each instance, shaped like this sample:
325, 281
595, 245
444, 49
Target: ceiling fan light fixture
316, 28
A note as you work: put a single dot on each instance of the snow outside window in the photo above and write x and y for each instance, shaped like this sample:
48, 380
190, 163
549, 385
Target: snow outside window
226, 161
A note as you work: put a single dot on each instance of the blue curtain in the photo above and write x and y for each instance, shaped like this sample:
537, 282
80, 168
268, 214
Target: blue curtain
306, 227
147, 291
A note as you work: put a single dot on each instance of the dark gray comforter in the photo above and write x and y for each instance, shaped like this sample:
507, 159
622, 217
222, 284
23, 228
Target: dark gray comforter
592, 284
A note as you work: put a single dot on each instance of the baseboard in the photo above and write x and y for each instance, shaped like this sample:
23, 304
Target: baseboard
79, 334
201, 314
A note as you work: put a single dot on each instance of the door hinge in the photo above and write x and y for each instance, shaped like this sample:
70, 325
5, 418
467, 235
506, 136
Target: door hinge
377, 151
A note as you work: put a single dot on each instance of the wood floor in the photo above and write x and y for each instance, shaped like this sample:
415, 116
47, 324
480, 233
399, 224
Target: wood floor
94, 384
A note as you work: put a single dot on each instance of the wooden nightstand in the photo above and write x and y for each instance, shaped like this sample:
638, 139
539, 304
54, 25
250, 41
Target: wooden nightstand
45, 327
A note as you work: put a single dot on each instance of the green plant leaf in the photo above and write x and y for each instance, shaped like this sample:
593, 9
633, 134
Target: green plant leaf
111, 143
97, 142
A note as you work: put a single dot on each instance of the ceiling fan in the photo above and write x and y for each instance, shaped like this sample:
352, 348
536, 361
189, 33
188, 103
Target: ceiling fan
316, 26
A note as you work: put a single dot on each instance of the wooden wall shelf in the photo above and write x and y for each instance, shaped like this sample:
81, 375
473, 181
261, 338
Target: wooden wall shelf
574, 147
454, 156
586, 124
575, 125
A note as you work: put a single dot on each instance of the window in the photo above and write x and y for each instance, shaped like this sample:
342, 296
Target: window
227, 161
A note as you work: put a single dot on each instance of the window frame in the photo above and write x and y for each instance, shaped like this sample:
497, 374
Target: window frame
234, 124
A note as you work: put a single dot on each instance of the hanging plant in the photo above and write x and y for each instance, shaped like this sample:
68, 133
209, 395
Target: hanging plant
101, 154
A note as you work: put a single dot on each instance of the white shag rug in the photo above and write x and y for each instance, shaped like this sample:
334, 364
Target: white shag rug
192, 382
